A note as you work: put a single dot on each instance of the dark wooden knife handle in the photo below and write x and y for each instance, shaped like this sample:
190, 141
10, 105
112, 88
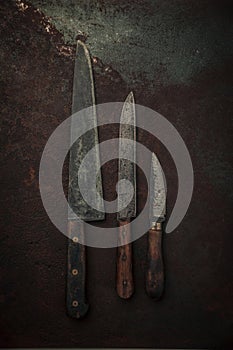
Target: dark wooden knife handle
124, 278
155, 268
77, 306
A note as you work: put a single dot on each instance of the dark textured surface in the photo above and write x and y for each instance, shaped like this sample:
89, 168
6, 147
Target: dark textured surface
166, 41
36, 87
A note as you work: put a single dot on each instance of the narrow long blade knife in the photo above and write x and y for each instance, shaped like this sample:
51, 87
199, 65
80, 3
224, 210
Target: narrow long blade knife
155, 269
126, 171
83, 97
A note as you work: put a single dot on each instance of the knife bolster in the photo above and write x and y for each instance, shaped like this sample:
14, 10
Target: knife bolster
156, 226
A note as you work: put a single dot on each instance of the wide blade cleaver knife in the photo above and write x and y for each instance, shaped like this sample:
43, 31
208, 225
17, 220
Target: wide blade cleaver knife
83, 97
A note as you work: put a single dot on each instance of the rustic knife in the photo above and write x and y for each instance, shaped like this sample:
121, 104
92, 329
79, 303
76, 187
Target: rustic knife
83, 97
126, 171
155, 269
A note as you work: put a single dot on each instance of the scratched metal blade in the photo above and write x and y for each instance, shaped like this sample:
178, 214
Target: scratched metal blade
157, 191
127, 169
83, 97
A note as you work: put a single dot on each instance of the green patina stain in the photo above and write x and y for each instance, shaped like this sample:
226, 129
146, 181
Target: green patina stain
166, 42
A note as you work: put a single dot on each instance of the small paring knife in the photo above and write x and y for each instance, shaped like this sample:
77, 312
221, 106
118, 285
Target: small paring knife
155, 266
126, 171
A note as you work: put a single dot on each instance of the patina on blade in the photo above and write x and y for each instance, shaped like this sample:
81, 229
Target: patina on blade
83, 97
127, 169
157, 192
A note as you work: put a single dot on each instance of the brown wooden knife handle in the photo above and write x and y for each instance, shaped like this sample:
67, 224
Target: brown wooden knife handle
76, 274
124, 278
155, 268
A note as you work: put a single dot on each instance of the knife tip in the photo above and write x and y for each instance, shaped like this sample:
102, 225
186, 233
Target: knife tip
154, 158
82, 45
80, 42
130, 97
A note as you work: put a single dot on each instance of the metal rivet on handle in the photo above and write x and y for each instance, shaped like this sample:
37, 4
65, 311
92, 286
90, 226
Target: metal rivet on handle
74, 272
124, 257
75, 239
75, 303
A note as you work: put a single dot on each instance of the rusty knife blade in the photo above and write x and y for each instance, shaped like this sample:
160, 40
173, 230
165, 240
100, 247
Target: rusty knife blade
83, 97
127, 168
157, 191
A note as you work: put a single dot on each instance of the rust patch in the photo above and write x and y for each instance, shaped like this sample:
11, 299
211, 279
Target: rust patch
32, 174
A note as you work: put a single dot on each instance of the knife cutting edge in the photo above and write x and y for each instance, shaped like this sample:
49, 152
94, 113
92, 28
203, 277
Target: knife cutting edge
155, 268
83, 97
126, 171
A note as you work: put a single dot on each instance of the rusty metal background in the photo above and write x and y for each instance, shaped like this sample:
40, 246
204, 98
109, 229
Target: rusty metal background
195, 94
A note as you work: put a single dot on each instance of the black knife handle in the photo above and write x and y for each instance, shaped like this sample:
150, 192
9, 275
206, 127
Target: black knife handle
124, 278
77, 306
155, 268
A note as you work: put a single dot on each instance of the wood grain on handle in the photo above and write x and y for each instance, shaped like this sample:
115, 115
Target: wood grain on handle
76, 274
124, 283
155, 268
